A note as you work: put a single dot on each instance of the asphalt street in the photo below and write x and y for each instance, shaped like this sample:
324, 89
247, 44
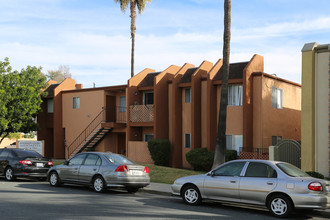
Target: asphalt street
29, 199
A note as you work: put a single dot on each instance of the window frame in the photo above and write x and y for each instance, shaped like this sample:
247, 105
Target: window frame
145, 139
147, 99
277, 98
50, 105
187, 144
122, 108
187, 91
76, 102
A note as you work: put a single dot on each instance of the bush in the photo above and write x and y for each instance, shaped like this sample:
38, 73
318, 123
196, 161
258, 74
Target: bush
160, 151
315, 174
202, 160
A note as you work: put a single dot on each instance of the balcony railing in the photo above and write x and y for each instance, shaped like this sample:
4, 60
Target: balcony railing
141, 113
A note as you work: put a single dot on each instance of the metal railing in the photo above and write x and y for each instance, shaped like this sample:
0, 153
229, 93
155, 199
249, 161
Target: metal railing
108, 114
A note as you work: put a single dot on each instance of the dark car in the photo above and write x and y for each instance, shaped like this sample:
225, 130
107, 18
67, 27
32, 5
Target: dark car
101, 171
23, 163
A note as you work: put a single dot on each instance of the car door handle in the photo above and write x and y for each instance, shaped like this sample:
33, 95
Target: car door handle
232, 181
270, 183
94, 169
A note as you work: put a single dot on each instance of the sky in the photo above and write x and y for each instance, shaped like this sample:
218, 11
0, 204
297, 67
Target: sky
92, 37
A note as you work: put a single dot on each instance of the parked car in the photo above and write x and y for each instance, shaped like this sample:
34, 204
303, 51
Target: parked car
101, 171
279, 186
16, 162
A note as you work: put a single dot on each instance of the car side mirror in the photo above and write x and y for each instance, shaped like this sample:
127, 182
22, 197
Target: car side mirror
66, 162
211, 173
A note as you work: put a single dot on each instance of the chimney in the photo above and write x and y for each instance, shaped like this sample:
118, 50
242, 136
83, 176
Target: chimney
79, 86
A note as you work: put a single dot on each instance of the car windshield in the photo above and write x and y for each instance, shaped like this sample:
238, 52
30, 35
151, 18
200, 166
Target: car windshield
118, 159
26, 153
291, 170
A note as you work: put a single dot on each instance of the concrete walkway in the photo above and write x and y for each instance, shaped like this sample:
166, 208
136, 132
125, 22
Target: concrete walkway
158, 188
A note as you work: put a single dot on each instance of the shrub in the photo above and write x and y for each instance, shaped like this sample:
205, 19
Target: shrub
315, 174
202, 160
160, 151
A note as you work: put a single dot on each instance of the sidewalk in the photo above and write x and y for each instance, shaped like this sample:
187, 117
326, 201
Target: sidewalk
158, 188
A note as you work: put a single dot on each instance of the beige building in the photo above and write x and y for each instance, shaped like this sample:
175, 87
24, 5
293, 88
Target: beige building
315, 121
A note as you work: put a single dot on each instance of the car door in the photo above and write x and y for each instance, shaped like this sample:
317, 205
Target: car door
70, 172
3, 160
223, 182
259, 179
89, 168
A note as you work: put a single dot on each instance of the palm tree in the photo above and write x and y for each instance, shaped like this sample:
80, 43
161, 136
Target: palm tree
220, 146
140, 4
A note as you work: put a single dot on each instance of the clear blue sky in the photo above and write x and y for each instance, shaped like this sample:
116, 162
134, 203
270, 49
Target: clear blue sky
92, 37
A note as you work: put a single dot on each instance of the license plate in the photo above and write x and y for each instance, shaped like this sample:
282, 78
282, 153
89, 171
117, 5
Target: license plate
40, 165
136, 172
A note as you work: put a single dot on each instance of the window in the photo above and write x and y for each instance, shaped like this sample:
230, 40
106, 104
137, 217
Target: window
234, 142
187, 140
76, 102
232, 169
77, 160
148, 137
187, 95
149, 98
50, 105
91, 160
235, 95
122, 103
277, 98
260, 170
276, 139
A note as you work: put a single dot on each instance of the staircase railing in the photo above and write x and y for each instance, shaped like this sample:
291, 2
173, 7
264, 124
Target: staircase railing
85, 133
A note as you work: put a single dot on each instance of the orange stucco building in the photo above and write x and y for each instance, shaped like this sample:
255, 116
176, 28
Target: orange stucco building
180, 104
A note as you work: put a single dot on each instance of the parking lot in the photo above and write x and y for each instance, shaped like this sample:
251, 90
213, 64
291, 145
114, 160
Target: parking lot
31, 199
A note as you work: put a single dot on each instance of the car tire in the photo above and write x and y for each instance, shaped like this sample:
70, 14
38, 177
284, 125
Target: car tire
9, 174
54, 179
280, 206
191, 195
99, 184
132, 189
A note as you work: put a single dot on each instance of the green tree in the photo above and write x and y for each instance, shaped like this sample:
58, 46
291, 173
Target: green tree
20, 98
59, 75
220, 147
140, 4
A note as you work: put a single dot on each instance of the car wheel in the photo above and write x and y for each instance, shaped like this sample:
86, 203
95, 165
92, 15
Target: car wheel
99, 184
10, 174
54, 179
132, 189
191, 195
279, 206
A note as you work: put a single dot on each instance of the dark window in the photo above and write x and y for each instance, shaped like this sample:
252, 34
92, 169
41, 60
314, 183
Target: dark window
187, 140
91, 159
149, 98
148, 137
232, 169
118, 159
77, 160
260, 170
187, 95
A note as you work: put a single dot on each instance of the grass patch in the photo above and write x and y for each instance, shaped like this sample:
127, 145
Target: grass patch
161, 174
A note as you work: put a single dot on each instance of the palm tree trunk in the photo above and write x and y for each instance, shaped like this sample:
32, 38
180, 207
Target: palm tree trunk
220, 147
133, 29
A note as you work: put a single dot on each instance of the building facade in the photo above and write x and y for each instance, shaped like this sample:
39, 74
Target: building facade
182, 104
315, 143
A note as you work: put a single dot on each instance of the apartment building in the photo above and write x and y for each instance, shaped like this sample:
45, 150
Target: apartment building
182, 104
315, 132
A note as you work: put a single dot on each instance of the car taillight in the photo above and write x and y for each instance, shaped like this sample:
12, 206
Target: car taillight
121, 168
50, 163
315, 186
25, 162
146, 169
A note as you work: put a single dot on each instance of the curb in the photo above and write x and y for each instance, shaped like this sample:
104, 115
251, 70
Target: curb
152, 191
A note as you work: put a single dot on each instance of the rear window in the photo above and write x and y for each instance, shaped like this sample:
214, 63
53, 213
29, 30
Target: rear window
118, 159
291, 170
26, 153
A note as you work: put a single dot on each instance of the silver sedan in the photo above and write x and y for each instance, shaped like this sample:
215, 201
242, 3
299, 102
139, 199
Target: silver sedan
279, 186
101, 171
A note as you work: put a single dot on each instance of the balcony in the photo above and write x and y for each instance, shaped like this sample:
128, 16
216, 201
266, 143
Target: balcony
141, 113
